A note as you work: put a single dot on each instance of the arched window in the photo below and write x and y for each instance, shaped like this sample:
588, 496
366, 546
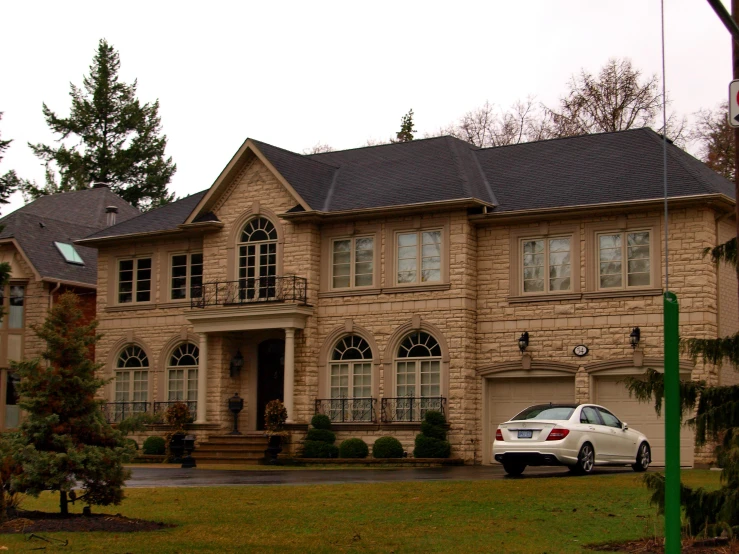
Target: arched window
131, 382
257, 250
351, 380
417, 376
182, 373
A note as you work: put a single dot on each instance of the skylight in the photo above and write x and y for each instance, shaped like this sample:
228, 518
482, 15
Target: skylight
70, 254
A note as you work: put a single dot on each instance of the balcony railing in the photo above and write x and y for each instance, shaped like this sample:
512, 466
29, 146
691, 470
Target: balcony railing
348, 410
249, 291
115, 412
409, 408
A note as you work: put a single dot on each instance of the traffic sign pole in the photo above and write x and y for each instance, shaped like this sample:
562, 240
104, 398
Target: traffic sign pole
672, 425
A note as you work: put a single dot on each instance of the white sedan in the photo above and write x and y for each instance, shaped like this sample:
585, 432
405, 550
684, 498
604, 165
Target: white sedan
579, 436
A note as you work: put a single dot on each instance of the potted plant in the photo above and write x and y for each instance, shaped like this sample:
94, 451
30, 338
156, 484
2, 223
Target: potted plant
275, 416
177, 415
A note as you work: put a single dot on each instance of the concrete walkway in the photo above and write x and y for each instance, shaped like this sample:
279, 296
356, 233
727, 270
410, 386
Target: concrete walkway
143, 477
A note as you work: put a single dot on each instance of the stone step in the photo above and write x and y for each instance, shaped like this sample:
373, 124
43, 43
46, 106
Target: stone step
231, 456
228, 461
230, 448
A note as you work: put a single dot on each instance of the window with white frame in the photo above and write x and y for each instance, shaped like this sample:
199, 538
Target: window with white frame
417, 377
352, 262
186, 276
546, 264
132, 376
624, 259
257, 259
134, 280
182, 373
351, 380
418, 257
12, 321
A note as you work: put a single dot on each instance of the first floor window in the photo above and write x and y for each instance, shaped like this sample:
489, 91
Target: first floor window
187, 276
182, 373
131, 382
417, 376
418, 257
134, 280
546, 265
624, 259
351, 380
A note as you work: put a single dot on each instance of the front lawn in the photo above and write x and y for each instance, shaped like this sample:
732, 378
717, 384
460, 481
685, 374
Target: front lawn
558, 514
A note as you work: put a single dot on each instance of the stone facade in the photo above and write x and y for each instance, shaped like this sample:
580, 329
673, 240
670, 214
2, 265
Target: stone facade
475, 313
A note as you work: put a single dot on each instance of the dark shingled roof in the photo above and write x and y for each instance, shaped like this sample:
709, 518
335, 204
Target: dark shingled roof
64, 218
166, 218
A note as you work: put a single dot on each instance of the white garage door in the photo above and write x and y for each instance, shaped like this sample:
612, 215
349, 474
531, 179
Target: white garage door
508, 397
642, 417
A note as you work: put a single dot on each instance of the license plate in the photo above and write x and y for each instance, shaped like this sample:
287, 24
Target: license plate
525, 434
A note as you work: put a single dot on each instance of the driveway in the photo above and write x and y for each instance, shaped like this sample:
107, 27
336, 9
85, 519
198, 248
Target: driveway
145, 477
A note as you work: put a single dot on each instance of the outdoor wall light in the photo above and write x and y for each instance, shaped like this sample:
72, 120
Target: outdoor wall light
523, 341
635, 337
237, 362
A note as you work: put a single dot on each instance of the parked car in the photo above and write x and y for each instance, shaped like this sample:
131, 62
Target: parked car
579, 436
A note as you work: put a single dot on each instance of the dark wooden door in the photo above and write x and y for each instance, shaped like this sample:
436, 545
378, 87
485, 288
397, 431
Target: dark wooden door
270, 375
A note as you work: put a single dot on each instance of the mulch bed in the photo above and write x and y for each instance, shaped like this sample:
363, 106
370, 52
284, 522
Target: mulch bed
36, 522
657, 546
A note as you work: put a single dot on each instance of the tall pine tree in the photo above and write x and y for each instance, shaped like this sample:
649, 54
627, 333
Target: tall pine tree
9, 181
109, 137
406, 129
64, 441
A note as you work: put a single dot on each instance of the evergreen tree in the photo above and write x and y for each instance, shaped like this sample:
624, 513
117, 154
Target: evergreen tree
64, 441
9, 182
114, 139
406, 128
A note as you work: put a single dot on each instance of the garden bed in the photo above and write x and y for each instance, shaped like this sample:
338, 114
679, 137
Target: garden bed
149, 459
45, 522
373, 462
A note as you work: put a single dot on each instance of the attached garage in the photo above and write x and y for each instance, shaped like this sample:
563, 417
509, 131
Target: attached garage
608, 391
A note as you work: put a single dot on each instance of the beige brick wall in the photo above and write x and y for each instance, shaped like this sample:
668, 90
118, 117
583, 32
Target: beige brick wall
728, 307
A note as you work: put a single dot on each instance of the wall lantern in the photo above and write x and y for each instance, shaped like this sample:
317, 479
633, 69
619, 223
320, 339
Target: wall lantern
635, 337
523, 341
237, 362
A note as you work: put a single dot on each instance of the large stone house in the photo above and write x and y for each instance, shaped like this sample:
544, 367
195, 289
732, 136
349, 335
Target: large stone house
377, 283
37, 241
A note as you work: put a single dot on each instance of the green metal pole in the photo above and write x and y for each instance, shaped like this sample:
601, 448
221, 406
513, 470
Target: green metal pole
672, 426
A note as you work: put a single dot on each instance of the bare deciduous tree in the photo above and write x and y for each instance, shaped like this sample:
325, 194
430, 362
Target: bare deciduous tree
318, 148
715, 138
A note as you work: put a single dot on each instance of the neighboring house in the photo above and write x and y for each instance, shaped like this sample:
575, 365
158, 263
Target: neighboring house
377, 283
37, 242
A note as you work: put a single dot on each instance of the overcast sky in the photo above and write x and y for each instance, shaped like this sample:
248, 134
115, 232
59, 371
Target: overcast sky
297, 73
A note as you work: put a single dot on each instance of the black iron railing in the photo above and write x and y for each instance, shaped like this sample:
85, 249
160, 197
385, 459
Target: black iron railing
248, 291
409, 408
116, 412
192, 406
348, 410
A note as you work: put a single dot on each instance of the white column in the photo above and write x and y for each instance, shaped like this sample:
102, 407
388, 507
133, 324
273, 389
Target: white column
289, 373
202, 377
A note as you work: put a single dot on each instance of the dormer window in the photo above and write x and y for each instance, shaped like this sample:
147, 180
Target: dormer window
70, 254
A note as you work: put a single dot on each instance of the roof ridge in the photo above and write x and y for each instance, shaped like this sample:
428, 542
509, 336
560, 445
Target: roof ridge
367, 146
673, 155
331, 188
154, 210
574, 137
302, 156
48, 218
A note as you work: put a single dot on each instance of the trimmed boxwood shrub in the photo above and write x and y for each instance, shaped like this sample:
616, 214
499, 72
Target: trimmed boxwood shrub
429, 447
133, 443
155, 446
319, 449
387, 447
323, 435
434, 417
433, 431
353, 448
321, 421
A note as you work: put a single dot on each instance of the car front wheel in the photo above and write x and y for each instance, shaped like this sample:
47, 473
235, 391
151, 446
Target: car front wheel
585, 460
643, 458
514, 468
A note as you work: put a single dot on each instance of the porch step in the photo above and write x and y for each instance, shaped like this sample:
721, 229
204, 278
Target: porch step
231, 449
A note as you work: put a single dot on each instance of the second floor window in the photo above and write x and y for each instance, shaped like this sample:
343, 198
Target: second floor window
546, 265
352, 262
624, 259
418, 257
134, 280
187, 276
12, 322
257, 251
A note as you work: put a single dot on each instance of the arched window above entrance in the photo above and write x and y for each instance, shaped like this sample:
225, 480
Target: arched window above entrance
257, 259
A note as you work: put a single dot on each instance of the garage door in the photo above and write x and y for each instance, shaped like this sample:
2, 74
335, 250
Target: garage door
642, 417
508, 397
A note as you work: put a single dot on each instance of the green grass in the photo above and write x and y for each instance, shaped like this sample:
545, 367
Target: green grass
513, 515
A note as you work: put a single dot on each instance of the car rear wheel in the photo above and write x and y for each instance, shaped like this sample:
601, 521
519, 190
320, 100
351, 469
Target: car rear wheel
643, 458
585, 460
514, 468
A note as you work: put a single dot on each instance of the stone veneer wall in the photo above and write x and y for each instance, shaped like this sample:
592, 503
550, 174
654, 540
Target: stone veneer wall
728, 308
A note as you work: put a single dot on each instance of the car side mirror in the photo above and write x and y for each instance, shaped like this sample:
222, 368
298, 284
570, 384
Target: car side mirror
624, 426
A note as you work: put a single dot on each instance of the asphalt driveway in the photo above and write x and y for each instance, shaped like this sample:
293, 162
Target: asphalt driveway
144, 477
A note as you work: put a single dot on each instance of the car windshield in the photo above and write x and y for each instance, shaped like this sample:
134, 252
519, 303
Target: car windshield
545, 412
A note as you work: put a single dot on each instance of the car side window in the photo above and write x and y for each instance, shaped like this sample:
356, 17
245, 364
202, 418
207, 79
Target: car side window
609, 419
589, 415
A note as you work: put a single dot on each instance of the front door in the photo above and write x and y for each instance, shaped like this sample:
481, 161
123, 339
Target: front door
270, 375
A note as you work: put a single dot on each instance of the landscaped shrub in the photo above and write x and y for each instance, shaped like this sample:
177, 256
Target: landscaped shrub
321, 421
323, 435
353, 448
387, 447
431, 442
319, 449
133, 443
155, 446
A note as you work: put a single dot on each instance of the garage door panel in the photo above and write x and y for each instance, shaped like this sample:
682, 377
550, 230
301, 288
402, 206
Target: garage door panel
641, 416
507, 397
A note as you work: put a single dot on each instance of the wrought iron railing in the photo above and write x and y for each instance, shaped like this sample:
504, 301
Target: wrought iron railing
252, 290
115, 412
192, 406
348, 410
409, 408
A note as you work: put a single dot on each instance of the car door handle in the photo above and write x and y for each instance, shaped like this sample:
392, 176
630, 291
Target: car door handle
591, 428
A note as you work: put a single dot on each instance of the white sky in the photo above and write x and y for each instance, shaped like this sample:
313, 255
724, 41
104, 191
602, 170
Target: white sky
296, 73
